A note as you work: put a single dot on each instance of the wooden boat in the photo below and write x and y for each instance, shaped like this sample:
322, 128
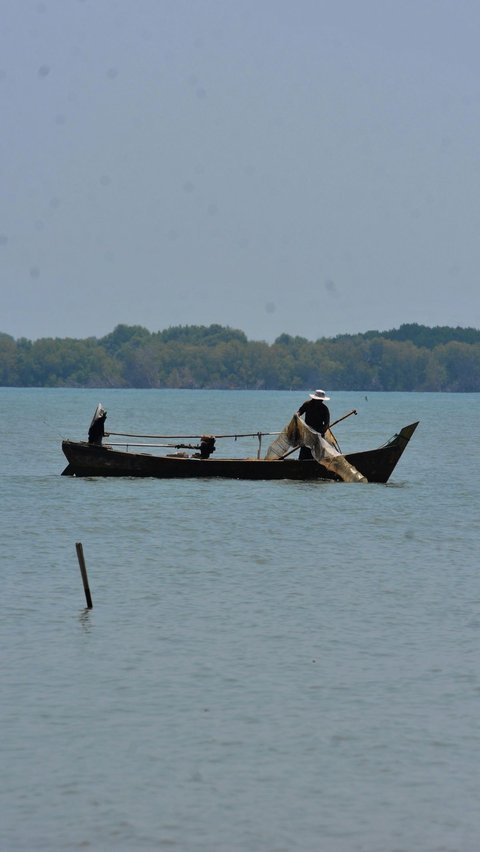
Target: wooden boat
96, 459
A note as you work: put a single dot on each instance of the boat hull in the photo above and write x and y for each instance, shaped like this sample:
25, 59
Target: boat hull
86, 459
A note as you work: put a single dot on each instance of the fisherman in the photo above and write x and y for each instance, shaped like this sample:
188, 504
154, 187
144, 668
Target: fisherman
317, 416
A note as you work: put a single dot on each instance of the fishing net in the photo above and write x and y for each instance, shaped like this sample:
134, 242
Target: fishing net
298, 434
330, 437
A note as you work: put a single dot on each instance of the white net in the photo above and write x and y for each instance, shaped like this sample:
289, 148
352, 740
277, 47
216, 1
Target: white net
298, 434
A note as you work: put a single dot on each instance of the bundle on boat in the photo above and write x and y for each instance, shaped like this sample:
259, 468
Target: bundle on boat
298, 434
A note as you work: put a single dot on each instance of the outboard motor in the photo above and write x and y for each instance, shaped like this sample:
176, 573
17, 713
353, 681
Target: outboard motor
97, 426
207, 446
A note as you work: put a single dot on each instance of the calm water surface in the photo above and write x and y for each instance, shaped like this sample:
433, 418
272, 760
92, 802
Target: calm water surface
268, 666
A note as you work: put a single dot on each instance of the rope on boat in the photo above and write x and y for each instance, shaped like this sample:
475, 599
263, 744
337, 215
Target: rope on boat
189, 437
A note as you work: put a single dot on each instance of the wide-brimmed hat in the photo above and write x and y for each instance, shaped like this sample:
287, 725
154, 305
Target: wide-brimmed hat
319, 394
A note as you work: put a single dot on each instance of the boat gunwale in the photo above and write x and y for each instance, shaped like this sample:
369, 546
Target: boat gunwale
379, 463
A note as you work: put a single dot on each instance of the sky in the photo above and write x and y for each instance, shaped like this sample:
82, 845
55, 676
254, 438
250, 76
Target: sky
277, 166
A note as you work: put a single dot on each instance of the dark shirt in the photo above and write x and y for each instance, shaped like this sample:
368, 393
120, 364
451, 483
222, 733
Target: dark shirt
317, 415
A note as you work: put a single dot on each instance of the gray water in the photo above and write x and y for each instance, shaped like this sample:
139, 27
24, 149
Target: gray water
268, 666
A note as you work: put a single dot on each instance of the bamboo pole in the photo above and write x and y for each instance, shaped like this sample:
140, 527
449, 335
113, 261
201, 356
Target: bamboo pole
349, 414
189, 437
83, 571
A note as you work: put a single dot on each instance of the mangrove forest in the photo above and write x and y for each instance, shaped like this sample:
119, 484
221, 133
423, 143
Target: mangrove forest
410, 358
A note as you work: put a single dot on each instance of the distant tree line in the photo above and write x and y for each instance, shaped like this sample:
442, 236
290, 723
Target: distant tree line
410, 358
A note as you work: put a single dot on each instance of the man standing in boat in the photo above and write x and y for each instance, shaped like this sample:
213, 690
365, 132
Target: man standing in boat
317, 416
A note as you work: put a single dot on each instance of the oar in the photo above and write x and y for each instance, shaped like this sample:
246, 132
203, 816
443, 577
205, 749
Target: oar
349, 414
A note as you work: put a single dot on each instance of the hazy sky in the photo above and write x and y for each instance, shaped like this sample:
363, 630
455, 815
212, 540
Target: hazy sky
292, 166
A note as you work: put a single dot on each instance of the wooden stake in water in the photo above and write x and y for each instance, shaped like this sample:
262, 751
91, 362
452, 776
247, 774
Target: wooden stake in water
83, 571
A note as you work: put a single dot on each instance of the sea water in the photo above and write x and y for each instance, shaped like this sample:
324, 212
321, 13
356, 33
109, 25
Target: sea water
268, 666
